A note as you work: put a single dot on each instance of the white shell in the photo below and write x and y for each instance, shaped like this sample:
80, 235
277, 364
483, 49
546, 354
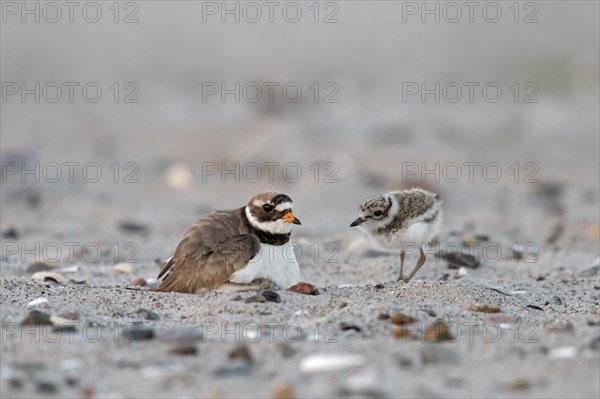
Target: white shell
124, 268
38, 301
42, 276
321, 362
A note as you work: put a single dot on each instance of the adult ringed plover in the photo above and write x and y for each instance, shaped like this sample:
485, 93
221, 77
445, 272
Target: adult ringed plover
237, 246
395, 220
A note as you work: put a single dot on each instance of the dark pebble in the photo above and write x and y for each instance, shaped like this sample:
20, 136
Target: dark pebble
444, 277
184, 350
482, 237
349, 327
36, 318
46, 387
241, 353
15, 383
38, 267
457, 259
379, 286
540, 278
148, 314
383, 316
71, 381
133, 227
535, 307
271, 296
137, 332
77, 280
10, 233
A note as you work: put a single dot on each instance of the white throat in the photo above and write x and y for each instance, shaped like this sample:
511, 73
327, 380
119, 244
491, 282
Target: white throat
278, 226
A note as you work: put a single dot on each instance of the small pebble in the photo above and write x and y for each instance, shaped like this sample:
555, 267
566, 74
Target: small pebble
139, 282
349, 327
400, 318
562, 327
444, 277
256, 298
483, 308
323, 362
403, 332
49, 277
383, 316
179, 176
379, 286
555, 300
137, 332
438, 332
458, 259
365, 383
10, 233
271, 296
38, 302
283, 391
36, 318
304, 288
69, 315
563, 352
124, 268
46, 387
148, 314
242, 353
520, 384
77, 280
129, 226
462, 272
184, 350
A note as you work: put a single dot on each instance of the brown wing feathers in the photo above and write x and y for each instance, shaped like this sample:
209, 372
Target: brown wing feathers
210, 252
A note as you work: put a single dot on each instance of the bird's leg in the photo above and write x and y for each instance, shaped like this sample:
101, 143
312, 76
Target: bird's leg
420, 263
401, 276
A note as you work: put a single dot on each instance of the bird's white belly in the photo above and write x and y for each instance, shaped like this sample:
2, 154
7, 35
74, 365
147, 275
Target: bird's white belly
408, 240
275, 263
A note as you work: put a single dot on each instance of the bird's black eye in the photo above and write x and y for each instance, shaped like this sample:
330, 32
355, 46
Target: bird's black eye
377, 213
267, 207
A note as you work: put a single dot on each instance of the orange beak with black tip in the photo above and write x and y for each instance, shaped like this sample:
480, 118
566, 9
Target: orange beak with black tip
290, 218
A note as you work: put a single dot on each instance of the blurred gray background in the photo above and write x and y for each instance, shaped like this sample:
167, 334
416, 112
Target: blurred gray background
368, 137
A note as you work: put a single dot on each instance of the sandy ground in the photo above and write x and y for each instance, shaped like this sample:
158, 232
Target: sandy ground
130, 342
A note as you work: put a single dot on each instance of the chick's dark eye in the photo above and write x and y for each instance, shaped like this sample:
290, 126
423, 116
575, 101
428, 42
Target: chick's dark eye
267, 207
377, 213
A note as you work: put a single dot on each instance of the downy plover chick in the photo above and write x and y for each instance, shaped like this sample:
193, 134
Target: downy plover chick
237, 246
399, 219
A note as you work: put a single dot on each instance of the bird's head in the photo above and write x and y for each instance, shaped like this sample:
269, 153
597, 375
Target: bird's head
271, 212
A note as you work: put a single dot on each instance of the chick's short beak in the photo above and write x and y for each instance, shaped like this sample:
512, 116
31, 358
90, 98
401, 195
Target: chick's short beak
290, 218
356, 222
